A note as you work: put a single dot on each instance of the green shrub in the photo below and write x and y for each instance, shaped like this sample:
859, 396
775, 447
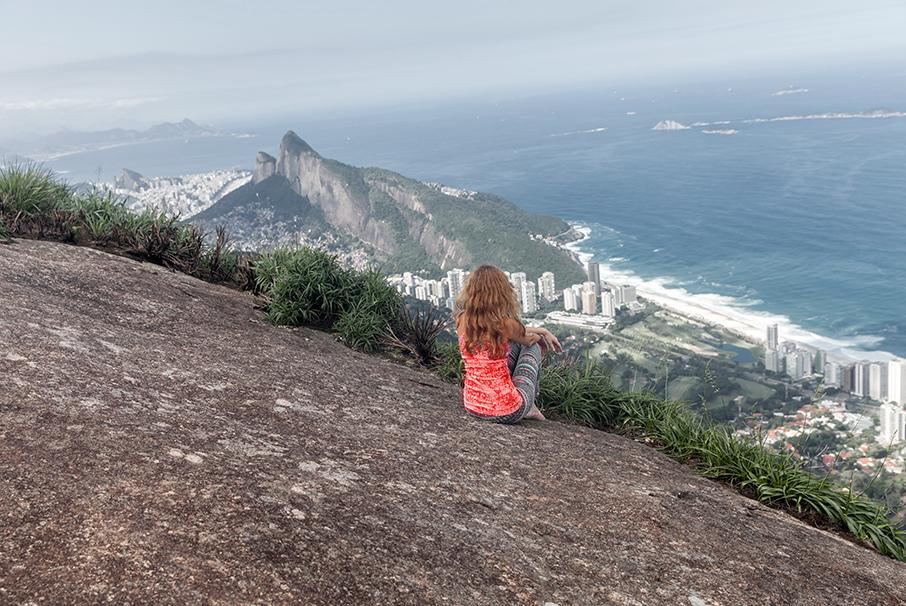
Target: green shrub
369, 290
362, 329
304, 287
269, 266
309, 287
450, 366
95, 216
577, 390
29, 190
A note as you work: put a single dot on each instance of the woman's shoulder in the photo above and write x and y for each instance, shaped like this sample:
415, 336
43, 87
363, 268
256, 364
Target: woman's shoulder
512, 328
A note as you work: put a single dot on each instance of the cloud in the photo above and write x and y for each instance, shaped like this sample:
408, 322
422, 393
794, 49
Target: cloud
59, 103
790, 91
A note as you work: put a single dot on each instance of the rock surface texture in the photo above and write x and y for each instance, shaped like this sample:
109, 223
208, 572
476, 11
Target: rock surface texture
160, 444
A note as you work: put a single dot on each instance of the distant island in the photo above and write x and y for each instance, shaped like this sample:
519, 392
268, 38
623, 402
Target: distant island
669, 125
58, 145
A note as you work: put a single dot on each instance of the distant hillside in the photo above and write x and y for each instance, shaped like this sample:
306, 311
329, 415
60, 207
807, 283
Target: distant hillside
409, 225
66, 142
261, 214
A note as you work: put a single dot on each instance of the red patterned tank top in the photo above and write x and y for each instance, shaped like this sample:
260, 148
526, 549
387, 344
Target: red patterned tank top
488, 389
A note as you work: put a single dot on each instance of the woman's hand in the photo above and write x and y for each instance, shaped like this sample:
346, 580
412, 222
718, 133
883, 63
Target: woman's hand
548, 341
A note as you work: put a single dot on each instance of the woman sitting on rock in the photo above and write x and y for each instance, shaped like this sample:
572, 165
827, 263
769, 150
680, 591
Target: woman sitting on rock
502, 356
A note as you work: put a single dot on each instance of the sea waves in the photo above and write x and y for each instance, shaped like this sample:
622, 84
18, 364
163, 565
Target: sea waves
731, 313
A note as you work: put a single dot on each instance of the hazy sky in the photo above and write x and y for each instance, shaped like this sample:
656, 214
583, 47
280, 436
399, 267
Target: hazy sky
102, 63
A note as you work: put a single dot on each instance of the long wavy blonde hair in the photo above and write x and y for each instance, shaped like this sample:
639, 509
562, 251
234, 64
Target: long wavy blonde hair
485, 304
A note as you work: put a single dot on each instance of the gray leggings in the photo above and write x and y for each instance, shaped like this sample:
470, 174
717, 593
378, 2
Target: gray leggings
524, 362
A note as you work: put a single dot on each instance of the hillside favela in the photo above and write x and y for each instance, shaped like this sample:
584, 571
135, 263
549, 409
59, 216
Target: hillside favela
394, 303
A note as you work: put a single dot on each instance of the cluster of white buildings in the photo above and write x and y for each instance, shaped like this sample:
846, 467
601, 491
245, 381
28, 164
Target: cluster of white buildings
444, 291
796, 362
883, 382
594, 297
186, 196
591, 304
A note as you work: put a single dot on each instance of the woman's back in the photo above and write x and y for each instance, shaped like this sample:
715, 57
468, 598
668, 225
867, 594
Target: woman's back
488, 389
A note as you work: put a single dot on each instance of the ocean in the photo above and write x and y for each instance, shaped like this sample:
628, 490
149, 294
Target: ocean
792, 211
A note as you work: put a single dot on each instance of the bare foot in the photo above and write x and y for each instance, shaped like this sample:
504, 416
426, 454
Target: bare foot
535, 414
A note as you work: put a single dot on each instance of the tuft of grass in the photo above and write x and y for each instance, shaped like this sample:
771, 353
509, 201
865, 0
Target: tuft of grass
362, 329
416, 333
450, 366
370, 291
28, 190
96, 215
303, 287
309, 287
220, 261
577, 390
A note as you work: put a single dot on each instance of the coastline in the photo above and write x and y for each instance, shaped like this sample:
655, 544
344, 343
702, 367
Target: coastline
722, 311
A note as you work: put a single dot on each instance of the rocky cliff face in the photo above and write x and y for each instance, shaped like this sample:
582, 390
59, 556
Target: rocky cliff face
406, 224
160, 444
337, 189
131, 181
265, 167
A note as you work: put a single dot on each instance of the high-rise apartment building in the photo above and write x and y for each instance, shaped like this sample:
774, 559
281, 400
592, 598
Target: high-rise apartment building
896, 381
593, 270
547, 288
861, 378
877, 381
608, 305
456, 279
772, 360
589, 302
627, 294
773, 337
570, 301
832, 374
529, 299
893, 424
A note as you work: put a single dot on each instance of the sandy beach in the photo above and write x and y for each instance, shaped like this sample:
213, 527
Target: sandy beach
728, 313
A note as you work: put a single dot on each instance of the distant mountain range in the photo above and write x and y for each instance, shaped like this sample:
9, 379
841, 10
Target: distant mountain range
68, 142
406, 225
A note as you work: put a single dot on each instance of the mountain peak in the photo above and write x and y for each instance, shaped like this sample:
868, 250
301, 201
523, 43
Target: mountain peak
265, 167
294, 143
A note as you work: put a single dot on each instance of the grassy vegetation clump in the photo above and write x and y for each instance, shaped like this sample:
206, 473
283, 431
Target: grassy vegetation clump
417, 331
33, 204
450, 366
362, 329
28, 191
309, 287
